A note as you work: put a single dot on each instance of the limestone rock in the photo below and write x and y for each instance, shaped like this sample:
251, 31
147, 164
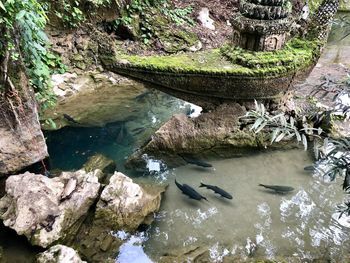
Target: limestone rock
125, 205
217, 134
59, 254
48, 210
21, 140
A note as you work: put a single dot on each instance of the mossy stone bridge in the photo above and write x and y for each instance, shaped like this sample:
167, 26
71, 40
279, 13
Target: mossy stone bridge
232, 73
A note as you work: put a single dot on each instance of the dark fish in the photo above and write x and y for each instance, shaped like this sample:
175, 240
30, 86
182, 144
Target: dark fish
70, 119
310, 168
278, 188
196, 161
190, 192
346, 183
217, 190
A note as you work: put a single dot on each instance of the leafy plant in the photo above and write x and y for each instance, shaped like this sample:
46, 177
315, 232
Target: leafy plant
22, 23
179, 15
70, 13
281, 127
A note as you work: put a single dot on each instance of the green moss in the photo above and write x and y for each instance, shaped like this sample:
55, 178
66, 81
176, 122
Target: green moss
314, 5
344, 5
297, 54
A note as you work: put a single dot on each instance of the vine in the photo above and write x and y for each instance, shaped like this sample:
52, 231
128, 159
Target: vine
22, 24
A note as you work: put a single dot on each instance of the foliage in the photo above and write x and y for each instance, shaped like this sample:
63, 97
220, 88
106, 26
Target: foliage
70, 13
281, 126
24, 39
335, 161
333, 155
146, 9
179, 16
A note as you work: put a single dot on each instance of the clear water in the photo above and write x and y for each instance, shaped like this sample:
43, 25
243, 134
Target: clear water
70, 147
299, 226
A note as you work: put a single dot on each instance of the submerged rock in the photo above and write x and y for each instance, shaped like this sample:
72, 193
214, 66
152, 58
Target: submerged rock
101, 162
48, 210
126, 205
59, 254
93, 98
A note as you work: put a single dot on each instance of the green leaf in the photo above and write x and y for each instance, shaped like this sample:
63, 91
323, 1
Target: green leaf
2, 6
21, 14
304, 141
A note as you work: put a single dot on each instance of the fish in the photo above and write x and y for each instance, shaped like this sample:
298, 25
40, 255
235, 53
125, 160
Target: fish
190, 192
217, 190
69, 118
310, 168
346, 183
195, 161
278, 188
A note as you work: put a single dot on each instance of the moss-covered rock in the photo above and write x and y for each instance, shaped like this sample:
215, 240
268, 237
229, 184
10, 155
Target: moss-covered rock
216, 134
101, 162
226, 74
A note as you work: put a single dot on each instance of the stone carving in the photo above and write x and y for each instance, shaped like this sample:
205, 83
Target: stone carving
262, 25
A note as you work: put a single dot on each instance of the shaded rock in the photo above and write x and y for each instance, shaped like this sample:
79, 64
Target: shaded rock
21, 140
1, 252
101, 162
125, 205
188, 254
97, 244
48, 210
59, 254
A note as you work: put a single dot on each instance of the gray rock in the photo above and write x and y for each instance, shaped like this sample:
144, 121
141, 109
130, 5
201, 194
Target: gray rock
125, 205
48, 210
22, 142
59, 254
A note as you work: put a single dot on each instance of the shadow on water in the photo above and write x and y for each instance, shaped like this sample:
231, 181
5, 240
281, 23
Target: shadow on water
16, 249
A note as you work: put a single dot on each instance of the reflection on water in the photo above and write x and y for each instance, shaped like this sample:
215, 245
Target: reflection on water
132, 251
256, 223
70, 147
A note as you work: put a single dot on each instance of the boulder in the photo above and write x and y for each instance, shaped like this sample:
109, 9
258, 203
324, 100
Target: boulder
217, 134
48, 210
101, 162
22, 142
126, 205
59, 254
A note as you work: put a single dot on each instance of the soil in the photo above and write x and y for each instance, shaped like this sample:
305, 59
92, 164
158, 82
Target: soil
220, 11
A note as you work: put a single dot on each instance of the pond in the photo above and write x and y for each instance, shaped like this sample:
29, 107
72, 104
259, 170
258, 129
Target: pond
256, 223
299, 226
